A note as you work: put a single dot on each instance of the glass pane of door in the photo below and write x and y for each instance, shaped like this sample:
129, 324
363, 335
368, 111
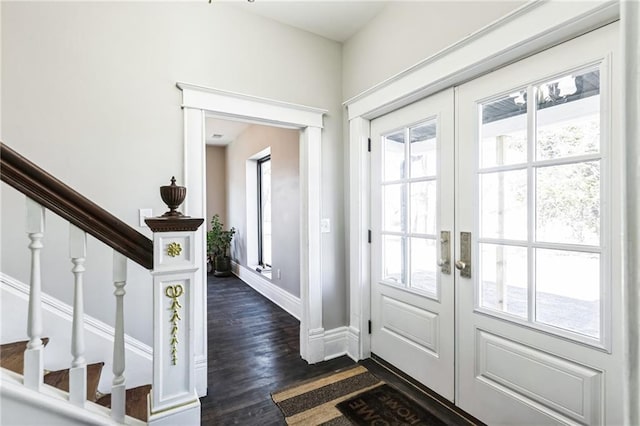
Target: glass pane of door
539, 183
409, 208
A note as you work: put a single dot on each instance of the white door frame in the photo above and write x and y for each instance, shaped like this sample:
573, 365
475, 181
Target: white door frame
198, 101
524, 32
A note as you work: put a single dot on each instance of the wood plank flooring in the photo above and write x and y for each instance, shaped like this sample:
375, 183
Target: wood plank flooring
254, 350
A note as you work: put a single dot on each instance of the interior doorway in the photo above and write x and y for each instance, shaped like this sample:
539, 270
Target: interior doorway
199, 102
253, 185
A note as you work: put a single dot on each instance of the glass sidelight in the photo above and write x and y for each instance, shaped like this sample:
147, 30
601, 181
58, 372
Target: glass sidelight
539, 180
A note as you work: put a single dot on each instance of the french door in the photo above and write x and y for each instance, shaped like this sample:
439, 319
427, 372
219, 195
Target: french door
412, 219
538, 187
535, 246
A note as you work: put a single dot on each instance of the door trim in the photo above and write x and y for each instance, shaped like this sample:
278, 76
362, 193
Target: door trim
529, 29
198, 101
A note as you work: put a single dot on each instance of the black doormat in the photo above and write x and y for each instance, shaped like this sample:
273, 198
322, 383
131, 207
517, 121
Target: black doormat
384, 405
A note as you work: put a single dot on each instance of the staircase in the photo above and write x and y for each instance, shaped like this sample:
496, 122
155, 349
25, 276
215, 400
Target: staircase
32, 395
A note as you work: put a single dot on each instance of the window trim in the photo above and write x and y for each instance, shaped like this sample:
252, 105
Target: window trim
259, 163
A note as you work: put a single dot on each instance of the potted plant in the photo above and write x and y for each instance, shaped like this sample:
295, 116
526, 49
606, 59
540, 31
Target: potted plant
218, 246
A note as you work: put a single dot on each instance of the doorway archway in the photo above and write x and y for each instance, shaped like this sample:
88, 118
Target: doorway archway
198, 101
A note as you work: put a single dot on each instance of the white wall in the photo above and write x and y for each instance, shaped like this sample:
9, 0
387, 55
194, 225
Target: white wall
216, 183
406, 32
285, 199
89, 94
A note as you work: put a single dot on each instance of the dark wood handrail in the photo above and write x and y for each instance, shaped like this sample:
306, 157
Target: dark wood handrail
40, 186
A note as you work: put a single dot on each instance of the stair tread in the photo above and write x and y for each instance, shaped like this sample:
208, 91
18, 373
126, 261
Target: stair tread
136, 402
12, 355
60, 379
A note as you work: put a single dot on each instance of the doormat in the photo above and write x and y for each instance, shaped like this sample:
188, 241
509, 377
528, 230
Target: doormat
314, 402
386, 406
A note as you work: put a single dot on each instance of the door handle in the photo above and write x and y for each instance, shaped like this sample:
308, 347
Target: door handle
445, 252
464, 263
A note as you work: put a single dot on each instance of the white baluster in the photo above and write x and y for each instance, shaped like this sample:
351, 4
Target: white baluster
78, 371
33, 355
118, 390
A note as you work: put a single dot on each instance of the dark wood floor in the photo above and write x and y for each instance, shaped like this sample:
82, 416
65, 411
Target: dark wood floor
254, 350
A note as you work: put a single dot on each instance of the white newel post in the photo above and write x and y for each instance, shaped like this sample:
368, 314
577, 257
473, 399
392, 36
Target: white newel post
33, 355
78, 370
174, 399
119, 383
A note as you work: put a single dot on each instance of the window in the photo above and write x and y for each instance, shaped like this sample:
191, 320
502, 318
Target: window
264, 211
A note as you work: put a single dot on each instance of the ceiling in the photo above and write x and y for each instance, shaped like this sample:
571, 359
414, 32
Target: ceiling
333, 19
222, 132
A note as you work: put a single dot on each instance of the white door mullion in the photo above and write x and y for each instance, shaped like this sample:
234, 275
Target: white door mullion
531, 203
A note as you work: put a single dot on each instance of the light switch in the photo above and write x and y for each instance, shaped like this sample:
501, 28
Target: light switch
144, 213
325, 226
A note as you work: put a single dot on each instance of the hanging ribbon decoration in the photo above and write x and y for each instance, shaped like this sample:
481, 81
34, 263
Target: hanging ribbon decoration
174, 292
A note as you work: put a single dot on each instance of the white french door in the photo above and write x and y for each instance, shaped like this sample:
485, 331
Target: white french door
412, 219
535, 240
538, 187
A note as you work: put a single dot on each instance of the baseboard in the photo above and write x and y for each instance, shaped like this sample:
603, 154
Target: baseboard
335, 342
201, 377
353, 343
280, 297
57, 318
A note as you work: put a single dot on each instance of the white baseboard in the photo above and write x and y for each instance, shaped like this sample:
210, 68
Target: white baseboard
57, 320
201, 377
323, 345
335, 342
280, 297
353, 343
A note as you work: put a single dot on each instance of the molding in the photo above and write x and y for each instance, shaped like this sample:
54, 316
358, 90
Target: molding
197, 101
201, 375
315, 345
335, 342
277, 295
631, 128
173, 224
65, 311
353, 343
238, 105
324, 345
532, 28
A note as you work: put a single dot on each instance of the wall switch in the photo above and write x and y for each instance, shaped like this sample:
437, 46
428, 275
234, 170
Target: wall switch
279, 274
143, 214
325, 225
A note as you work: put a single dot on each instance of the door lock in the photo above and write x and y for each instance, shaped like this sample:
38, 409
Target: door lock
445, 253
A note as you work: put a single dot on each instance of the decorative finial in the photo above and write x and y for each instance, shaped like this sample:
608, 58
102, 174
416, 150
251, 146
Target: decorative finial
173, 195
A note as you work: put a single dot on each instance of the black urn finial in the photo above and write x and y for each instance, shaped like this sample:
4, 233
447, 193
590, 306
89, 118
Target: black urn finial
173, 195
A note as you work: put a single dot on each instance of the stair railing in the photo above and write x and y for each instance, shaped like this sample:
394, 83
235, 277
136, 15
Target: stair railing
173, 269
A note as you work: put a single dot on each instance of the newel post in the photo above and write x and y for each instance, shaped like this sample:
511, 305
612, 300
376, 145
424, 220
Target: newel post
173, 395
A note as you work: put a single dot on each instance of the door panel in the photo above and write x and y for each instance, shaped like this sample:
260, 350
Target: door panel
412, 202
538, 186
